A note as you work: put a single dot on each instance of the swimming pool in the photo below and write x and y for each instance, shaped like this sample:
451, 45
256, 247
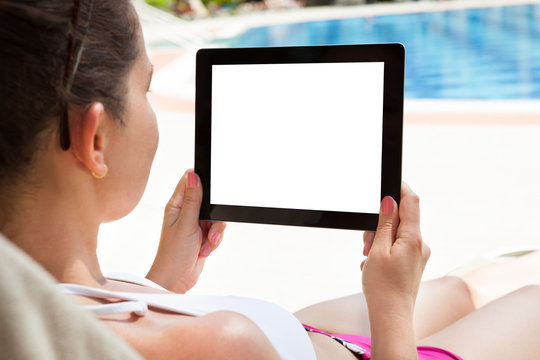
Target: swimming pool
489, 53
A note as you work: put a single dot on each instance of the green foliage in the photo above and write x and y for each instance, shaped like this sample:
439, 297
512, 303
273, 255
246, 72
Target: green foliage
164, 4
222, 2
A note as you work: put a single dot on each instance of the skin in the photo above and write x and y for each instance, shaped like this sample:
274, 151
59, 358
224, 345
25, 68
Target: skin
495, 280
391, 277
61, 205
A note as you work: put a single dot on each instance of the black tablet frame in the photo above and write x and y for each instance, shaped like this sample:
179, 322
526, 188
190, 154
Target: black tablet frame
393, 56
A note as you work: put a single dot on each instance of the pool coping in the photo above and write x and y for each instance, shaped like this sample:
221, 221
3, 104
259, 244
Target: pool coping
432, 111
418, 111
231, 26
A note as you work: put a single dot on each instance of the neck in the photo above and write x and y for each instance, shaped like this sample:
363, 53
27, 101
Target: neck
57, 230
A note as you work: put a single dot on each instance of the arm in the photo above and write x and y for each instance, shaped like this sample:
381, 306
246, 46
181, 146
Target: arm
396, 257
185, 240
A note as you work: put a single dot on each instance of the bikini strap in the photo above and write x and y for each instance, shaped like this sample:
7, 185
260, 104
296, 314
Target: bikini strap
139, 308
357, 349
134, 279
129, 304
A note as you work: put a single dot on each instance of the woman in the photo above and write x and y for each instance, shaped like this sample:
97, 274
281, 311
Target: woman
77, 138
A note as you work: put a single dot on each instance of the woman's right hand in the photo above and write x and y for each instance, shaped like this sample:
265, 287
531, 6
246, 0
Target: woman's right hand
396, 258
185, 240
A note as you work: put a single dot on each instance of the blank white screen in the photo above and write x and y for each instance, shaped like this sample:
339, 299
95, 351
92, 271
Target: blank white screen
299, 136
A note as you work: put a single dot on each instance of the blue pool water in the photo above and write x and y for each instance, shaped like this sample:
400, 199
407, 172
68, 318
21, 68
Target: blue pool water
491, 53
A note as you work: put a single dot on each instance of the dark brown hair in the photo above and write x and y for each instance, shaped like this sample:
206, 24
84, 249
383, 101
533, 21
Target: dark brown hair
35, 42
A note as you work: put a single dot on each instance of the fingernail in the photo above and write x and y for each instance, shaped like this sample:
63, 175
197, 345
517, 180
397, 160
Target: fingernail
387, 205
214, 238
205, 251
367, 249
192, 180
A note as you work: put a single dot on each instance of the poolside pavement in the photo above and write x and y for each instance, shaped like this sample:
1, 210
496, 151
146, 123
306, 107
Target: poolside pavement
474, 164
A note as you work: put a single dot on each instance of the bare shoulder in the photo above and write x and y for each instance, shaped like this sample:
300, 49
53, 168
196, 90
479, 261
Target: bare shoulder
219, 335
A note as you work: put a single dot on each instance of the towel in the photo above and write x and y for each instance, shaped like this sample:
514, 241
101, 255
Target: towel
38, 322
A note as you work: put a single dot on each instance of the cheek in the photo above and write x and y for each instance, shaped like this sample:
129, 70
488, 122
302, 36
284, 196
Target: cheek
144, 132
149, 138
131, 161
144, 139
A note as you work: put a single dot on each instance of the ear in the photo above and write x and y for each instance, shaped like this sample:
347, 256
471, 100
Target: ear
88, 138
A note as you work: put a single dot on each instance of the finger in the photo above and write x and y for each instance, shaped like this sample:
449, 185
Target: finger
363, 264
369, 236
410, 202
191, 204
205, 249
388, 222
174, 205
409, 210
177, 198
215, 234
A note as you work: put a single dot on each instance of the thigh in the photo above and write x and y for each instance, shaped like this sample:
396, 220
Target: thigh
439, 303
507, 328
494, 280
345, 315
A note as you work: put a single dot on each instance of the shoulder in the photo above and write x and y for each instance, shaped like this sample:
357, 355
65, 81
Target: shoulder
228, 335
218, 335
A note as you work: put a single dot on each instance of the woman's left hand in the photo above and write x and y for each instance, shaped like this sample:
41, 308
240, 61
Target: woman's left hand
185, 241
396, 258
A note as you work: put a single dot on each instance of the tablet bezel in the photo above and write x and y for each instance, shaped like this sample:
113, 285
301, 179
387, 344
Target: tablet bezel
393, 56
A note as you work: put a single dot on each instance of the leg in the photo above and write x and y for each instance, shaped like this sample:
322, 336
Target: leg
507, 328
495, 280
439, 303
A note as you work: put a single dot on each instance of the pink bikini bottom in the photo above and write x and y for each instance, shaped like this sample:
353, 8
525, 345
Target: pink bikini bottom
361, 345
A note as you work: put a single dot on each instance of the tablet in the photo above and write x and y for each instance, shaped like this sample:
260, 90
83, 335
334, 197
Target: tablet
306, 136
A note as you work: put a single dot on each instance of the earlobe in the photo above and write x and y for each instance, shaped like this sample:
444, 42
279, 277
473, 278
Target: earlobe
87, 131
101, 176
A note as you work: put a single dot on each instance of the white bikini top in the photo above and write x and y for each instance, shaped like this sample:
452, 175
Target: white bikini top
284, 331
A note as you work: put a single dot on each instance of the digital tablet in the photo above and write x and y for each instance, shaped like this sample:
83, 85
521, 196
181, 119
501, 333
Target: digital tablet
306, 136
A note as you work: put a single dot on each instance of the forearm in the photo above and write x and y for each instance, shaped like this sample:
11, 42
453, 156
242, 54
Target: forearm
392, 331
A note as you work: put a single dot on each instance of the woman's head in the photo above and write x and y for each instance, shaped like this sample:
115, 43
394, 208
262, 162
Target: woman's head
61, 57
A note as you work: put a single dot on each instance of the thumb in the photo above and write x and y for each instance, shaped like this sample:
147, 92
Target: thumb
387, 227
189, 214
